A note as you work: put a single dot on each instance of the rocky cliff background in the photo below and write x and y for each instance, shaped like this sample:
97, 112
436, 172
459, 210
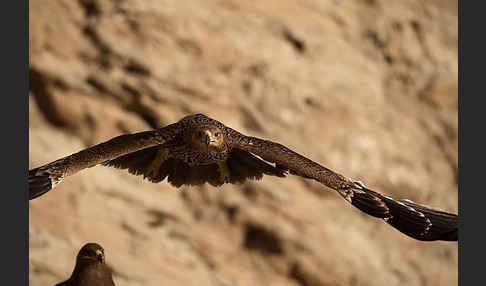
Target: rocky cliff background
367, 88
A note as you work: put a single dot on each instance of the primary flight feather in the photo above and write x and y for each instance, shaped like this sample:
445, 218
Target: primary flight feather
198, 150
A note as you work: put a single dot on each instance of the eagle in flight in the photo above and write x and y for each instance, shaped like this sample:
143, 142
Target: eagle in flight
198, 150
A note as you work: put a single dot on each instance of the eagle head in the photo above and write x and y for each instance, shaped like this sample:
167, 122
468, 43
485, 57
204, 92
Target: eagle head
91, 252
207, 138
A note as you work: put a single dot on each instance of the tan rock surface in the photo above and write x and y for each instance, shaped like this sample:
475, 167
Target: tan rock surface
367, 88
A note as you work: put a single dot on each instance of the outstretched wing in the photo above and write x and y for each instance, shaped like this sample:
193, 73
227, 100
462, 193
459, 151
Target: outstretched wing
45, 178
414, 220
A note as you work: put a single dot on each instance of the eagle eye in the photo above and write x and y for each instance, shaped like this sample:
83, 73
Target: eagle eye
216, 134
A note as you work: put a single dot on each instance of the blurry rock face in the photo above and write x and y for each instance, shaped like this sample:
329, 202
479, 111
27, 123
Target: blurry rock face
367, 88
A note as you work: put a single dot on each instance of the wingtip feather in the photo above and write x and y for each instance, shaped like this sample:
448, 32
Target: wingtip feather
39, 183
412, 219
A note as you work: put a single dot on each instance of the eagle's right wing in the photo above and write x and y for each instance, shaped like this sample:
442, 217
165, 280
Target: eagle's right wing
46, 177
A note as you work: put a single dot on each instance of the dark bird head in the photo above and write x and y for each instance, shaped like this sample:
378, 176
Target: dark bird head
91, 253
90, 268
206, 138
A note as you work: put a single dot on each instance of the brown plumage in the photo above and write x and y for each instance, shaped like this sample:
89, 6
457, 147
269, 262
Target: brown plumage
90, 268
198, 150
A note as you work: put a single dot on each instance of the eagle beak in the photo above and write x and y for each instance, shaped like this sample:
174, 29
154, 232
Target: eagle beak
208, 140
99, 255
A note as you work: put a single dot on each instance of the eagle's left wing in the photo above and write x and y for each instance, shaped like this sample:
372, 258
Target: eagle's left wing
414, 220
